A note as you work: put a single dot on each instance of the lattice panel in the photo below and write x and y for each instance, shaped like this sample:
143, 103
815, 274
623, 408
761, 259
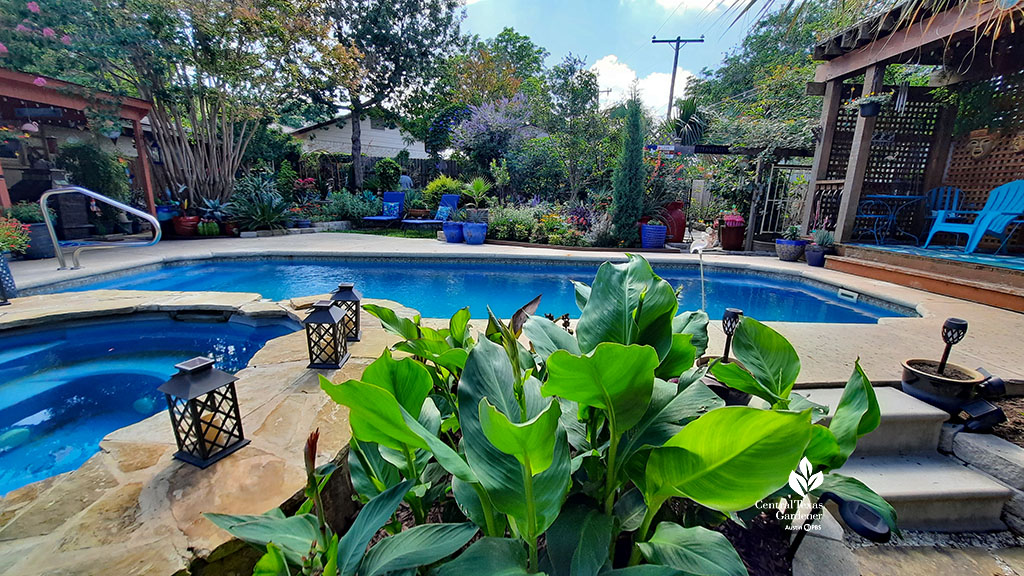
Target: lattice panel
1005, 163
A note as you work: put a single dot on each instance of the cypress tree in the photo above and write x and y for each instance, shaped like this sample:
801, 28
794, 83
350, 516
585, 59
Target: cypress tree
629, 177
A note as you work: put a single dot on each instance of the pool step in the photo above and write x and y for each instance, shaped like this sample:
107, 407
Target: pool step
994, 294
908, 425
933, 492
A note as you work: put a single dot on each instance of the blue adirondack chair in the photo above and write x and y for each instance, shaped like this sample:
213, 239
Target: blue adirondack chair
390, 197
1004, 205
449, 200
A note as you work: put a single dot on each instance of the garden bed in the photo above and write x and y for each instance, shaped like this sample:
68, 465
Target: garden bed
1013, 429
582, 248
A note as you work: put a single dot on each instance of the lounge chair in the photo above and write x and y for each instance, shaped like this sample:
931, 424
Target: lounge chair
1005, 203
450, 201
384, 218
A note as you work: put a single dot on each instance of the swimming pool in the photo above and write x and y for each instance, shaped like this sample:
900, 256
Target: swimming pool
438, 288
67, 387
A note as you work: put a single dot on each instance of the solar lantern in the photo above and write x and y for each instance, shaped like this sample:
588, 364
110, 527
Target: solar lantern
349, 300
730, 320
953, 331
326, 336
204, 412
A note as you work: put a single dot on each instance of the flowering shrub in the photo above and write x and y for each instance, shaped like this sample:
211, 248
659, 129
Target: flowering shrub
733, 220
13, 235
493, 128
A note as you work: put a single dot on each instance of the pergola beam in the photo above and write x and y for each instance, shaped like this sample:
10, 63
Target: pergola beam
942, 27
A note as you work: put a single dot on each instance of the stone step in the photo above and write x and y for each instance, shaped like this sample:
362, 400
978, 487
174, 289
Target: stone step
933, 492
908, 425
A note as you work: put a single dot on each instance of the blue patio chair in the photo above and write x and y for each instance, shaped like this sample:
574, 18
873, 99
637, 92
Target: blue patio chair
451, 201
1005, 203
384, 218
943, 198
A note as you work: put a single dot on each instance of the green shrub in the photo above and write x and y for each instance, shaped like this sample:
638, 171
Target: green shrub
629, 179
388, 173
438, 187
512, 223
535, 169
345, 206
259, 209
286, 177
28, 213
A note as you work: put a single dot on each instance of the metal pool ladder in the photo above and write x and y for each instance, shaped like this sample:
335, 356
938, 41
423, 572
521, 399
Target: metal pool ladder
91, 245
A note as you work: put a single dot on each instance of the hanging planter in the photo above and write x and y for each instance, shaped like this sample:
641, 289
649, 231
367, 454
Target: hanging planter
869, 105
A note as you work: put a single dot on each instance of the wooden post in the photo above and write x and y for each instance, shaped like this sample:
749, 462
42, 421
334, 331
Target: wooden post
860, 150
938, 152
145, 172
5, 196
823, 152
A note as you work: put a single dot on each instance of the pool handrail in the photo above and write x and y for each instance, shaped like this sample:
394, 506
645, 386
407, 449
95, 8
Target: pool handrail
92, 245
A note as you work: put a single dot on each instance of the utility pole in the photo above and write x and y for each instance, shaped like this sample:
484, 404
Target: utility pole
678, 43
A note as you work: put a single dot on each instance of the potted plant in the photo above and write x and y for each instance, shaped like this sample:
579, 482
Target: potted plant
13, 238
453, 232
475, 227
941, 383
475, 193
870, 105
791, 246
216, 212
824, 243
731, 230
31, 215
652, 234
416, 206
185, 223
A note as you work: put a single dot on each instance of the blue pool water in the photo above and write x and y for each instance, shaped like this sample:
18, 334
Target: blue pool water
65, 388
438, 289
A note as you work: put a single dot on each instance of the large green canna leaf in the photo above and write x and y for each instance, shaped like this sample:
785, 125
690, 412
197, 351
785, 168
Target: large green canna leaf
853, 489
404, 327
371, 517
417, 546
488, 557
668, 412
733, 376
547, 337
407, 380
728, 459
458, 329
582, 291
578, 542
856, 415
294, 536
614, 312
645, 570
693, 550
488, 375
823, 449
679, 359
374, 413
696, 325
371, 474
439, 352
616, 378
532, 443
768, 356
273, 563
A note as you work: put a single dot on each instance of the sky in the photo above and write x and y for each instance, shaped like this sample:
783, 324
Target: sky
615, 38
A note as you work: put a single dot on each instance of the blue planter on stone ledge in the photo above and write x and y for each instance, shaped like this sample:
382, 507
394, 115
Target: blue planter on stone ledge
475, 232
453, 232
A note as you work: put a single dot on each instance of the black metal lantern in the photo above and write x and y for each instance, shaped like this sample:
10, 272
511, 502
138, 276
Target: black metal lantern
730, 320
325, 336
348, 299
204, 412
953, 331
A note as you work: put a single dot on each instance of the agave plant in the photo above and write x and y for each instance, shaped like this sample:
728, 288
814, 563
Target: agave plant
476, 192
259, 209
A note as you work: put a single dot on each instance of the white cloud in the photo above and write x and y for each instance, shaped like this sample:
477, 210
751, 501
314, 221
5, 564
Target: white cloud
617, 76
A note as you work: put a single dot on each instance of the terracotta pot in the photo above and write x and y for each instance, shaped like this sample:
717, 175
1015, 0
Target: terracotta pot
731, 237
230, 229
186, 225
418, 214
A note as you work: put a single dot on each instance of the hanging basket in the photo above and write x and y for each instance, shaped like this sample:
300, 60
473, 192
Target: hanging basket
870, 109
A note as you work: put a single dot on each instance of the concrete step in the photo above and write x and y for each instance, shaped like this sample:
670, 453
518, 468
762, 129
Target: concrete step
908, 425
993, 294
933, 492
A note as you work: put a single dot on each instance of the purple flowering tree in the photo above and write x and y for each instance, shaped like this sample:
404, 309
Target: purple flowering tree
494, 128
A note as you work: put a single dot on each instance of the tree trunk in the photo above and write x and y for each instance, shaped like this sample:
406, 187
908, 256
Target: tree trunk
357, 145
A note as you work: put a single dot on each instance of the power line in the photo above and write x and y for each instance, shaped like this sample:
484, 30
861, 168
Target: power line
678, 43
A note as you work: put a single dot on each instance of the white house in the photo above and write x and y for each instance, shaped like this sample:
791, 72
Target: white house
379, 139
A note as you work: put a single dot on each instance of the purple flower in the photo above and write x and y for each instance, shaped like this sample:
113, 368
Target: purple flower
49, 33
3, 49
65, 40
33, 7
39, 81
21, 28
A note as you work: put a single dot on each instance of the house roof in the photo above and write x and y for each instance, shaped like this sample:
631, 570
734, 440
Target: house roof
323, 124
54, 92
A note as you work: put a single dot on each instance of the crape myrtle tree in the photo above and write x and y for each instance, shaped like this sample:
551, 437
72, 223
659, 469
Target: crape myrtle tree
628, 182
577, 122
401, 44
215, 70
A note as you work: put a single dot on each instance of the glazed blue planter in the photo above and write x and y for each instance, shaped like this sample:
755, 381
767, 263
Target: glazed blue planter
453, 232
475, 232
652, 235
790, 250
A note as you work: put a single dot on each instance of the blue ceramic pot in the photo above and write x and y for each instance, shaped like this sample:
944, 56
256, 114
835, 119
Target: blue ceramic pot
475, 232
453, 232
790, 250
653, 235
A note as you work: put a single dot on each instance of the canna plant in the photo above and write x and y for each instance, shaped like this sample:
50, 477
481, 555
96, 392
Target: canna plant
565, 449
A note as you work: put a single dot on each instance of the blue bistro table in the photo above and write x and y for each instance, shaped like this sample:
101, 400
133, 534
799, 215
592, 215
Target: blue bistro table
880, 216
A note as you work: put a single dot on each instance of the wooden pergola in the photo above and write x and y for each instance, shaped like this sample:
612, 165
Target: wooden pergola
27, 89
913, 149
